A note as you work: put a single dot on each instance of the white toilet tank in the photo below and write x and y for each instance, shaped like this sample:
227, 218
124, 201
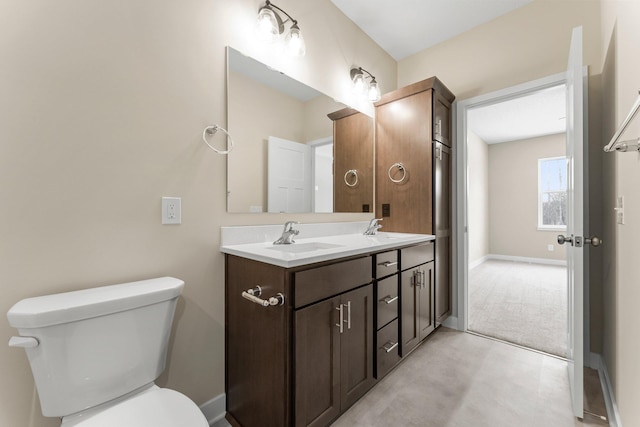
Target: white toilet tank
94, 345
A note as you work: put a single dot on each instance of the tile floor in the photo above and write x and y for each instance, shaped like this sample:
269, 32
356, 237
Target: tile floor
456, 379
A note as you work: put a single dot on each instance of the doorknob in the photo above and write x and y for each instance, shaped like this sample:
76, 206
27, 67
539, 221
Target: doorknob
593, 241
562, 239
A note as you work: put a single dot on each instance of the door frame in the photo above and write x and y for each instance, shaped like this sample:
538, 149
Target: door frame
461, 237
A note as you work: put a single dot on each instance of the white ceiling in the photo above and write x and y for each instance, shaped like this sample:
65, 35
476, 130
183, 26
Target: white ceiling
538, 114
405, 27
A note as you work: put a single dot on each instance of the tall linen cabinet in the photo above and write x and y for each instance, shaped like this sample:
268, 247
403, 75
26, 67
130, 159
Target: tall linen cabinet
413, 172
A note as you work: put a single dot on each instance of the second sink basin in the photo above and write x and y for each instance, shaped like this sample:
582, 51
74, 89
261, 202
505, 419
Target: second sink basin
296, 248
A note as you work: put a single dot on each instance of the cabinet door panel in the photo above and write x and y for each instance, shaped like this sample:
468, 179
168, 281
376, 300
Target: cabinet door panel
425, 302
442, 227
403, 135
409, 327
353, 150
317, 364
356, 345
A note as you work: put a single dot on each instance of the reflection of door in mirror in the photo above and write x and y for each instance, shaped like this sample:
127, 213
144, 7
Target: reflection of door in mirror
288, 176
353, 169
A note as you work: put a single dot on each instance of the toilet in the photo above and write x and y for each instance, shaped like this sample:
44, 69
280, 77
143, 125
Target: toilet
95, 354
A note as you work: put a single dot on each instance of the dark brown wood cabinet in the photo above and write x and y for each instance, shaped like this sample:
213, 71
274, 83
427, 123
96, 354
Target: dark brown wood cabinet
442, 231
297, 364
417, 296
413, 173
334, 364
352, 161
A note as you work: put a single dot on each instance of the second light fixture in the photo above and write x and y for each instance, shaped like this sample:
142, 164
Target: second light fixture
360, 84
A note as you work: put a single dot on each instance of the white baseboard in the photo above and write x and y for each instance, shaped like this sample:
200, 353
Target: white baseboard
477, 262
597, 362
526, 259
451, 322
214, 409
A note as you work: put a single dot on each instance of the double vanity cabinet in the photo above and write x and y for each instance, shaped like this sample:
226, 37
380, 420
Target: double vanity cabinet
315, 337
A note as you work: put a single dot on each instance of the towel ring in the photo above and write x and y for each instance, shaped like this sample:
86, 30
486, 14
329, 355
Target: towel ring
355, 174
400, 167
211, 130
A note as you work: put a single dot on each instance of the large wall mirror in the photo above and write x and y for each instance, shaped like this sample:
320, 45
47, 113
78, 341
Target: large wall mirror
286, 149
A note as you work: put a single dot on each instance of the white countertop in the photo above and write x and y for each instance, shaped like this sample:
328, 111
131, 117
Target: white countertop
322, 248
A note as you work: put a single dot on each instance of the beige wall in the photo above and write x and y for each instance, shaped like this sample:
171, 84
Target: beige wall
526, 44
103, 106
478, 197
513, 198
256, 112
621, 272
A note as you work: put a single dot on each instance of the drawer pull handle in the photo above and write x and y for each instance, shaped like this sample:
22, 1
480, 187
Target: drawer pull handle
253, 295
388, 347
388, 299
388, 263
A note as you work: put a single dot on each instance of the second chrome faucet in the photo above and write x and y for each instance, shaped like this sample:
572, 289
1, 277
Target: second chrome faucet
287, 234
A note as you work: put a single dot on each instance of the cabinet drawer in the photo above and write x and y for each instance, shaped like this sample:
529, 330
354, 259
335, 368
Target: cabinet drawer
416, 255
323, 282
386, 263
387, 353
387, 300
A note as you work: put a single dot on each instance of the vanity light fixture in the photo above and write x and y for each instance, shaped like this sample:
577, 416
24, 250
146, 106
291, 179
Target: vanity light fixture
271, 27
360, 84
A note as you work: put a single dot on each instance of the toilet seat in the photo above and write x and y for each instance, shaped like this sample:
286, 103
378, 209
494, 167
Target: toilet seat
157, 407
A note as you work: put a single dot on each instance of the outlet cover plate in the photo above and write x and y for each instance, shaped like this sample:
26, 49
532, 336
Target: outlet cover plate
171, 210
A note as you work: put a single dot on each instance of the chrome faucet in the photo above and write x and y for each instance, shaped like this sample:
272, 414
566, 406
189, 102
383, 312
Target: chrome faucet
287, 234
373, 227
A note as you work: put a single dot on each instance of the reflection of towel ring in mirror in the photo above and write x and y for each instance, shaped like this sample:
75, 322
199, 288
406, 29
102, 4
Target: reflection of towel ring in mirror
211, 130
400, 167
355, 174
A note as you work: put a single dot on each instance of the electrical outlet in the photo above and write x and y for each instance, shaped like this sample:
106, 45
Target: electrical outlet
171, 210
619, 210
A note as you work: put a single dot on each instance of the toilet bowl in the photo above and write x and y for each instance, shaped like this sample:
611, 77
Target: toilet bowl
95, 354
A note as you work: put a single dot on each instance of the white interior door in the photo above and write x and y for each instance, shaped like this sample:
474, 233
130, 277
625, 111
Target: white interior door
288, 176
575, 221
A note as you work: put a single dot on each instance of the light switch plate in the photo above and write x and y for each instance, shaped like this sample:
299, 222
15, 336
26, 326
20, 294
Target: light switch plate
171, 210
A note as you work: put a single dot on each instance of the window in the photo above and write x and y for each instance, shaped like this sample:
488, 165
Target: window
552, 193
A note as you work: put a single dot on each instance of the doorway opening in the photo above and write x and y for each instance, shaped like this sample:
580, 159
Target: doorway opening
516, 277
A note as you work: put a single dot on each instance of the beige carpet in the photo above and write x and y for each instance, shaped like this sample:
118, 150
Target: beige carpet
522, 303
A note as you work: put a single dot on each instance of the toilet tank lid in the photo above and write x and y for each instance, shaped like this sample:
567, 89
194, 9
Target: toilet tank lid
66, 307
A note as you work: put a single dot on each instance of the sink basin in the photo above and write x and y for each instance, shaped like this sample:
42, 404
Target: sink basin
297, 248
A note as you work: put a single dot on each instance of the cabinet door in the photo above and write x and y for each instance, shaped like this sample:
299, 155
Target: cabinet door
442, 228
409, 314
416, 306
403, 135
441, 119
317, 363
356, 345
353, 150
426, 322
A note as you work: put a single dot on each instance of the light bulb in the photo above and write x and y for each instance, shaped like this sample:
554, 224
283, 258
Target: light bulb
374, 91
295, 42
267, 27
359, 83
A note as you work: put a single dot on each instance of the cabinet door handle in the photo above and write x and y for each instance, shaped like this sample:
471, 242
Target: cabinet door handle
417, 278
424, 279
341, 323
389, 346
388, 263
348, 314
388, 299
